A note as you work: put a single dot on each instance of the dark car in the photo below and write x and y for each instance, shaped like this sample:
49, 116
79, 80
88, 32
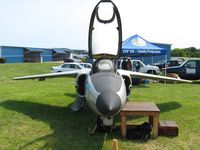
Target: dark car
68, 60
168, 63
189, 69
2, 60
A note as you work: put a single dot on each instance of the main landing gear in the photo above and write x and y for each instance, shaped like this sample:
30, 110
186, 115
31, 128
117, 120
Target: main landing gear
78, 104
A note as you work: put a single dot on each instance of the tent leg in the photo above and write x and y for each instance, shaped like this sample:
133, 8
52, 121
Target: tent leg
165, 67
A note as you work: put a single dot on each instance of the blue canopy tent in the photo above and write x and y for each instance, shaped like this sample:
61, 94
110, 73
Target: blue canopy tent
136, 46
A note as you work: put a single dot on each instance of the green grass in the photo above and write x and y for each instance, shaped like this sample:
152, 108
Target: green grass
36, 115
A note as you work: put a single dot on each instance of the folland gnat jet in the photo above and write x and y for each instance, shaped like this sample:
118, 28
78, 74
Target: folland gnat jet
103, 87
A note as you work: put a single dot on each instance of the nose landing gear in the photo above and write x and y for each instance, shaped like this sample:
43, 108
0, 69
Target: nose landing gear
103, 124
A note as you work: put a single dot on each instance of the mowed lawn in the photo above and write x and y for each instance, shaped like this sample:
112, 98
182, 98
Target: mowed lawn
37, 115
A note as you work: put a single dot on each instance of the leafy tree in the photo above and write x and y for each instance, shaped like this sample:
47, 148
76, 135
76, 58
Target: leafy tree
186, 52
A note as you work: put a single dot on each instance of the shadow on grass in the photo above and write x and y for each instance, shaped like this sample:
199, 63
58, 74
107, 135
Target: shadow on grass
168, 106
140, 86
164, 107
69, 128
73, 95
196, 82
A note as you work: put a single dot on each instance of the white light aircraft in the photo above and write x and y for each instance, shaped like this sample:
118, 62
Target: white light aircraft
103, 87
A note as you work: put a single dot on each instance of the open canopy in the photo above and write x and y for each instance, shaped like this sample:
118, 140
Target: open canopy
105, 31
137, 46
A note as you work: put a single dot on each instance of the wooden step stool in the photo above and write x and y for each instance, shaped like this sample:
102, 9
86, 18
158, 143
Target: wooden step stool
168, 128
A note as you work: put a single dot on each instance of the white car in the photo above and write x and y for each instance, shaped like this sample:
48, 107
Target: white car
142, 67
145, 68
67, 67
86, 65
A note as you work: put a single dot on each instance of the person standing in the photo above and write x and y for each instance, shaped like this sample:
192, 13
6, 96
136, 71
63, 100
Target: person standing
124, 64
137, 67
129, 64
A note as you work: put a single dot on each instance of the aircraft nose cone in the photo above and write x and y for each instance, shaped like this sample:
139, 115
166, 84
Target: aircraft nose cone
108, 103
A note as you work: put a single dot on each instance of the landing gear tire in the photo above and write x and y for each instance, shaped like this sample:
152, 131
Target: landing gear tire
103, 124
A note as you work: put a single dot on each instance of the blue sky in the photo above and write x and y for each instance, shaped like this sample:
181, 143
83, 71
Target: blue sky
64, 23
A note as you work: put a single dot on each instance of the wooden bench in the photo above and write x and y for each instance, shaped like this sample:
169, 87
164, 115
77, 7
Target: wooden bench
140, 109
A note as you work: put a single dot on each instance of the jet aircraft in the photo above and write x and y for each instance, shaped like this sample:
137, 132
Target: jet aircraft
103, 87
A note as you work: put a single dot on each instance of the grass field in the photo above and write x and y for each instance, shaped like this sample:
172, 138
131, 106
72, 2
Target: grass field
36, 115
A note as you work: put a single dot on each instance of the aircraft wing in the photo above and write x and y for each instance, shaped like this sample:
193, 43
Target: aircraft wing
151, 76
42, 77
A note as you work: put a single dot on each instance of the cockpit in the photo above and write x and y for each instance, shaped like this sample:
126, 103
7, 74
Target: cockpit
103, 65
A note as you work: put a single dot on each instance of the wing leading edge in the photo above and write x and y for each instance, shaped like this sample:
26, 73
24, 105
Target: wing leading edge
150, 76
42, 77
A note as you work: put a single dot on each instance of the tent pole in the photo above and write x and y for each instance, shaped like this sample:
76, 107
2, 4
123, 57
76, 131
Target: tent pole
165, 65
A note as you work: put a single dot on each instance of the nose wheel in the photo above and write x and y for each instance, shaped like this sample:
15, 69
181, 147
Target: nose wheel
103, 124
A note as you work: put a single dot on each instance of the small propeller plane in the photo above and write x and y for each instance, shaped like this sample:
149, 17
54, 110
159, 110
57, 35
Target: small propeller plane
103, 87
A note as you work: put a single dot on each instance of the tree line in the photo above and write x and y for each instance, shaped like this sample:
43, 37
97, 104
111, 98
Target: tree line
185, 52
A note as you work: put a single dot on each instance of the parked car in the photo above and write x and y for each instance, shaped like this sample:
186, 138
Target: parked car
2, 60
138, 65
67, 67
66, 60
167, 63
190, 69
86, 65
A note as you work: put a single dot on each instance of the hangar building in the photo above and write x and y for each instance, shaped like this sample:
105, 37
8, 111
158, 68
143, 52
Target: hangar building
14, 54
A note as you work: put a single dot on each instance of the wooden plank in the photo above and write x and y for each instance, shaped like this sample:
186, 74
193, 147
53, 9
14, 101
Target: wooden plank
140, 106
155, 127
168, 123
139, 113
123, 126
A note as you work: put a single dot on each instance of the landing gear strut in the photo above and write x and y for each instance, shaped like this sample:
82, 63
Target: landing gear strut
103, 124
78, 104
